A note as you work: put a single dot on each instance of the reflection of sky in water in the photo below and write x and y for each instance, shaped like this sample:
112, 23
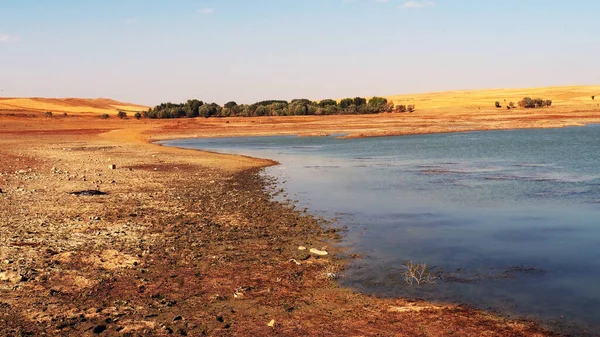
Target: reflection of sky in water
478, 202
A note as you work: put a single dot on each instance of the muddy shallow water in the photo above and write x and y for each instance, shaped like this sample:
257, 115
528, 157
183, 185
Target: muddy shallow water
506, 220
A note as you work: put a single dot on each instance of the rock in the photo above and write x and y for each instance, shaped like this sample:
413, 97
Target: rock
88, 193
301, 248
271, 323
1, 191
9, 276
295, 261
112, 166
178, 318
318, 252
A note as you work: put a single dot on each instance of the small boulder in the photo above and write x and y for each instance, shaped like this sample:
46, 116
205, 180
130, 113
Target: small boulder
112, 166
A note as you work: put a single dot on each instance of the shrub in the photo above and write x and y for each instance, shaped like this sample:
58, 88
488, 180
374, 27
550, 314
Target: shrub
511, 105
137, 115
122, 114
411, 108
104, 116
548, 102
498, 106
593, 97
64, 114
400, 108
48, 114
417, 273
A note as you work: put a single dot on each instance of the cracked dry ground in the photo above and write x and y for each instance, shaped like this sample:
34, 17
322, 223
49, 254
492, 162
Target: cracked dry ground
179, 245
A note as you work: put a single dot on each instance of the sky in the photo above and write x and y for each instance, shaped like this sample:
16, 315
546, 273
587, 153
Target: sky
151, 51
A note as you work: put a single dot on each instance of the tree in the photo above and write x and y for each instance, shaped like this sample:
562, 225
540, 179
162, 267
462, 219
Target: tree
411, 108
48, 114
378, 104
548, 102
327, 102
105, 116
498, 105
230, 105
122, 114
358, 101
511, 105
346, 102
137, 115
261, 110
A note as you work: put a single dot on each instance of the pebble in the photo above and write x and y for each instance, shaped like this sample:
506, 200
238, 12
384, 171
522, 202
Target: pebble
318, 252
301, 248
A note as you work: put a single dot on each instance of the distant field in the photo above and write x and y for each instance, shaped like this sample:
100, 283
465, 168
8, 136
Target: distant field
68, 105
564, 98
568, 97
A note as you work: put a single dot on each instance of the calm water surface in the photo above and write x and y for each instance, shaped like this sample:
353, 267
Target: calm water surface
509, 219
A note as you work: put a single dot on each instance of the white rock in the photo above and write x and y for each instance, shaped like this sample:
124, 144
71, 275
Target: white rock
318, 252
301, 248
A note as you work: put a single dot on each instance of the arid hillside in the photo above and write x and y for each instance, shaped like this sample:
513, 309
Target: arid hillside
574, 97
68, 105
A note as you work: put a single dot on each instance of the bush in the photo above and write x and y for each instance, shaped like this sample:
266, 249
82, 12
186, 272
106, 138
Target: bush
411, 108
417, 273
122, 114
48, 114
400, 108
137, 115
548, 102
498, 106
511, 105
104, 116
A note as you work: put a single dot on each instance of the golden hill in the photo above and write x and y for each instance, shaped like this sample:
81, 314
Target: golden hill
68, 105
568, 96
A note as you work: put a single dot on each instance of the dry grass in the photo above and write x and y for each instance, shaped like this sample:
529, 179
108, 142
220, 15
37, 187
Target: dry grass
68, 105
566, 96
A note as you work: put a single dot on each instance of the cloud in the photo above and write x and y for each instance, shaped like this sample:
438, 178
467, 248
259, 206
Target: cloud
206, 11
5, 38
417, 4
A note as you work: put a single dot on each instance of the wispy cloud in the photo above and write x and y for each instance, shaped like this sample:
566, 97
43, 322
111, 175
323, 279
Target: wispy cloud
5, 38
131, 21
417, 4
206, 11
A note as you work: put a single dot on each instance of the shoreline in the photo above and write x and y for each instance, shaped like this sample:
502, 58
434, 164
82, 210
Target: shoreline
183, 241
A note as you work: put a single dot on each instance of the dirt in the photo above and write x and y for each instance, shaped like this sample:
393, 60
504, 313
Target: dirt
183, 243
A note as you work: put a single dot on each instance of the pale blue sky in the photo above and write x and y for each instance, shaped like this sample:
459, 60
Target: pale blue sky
150, 51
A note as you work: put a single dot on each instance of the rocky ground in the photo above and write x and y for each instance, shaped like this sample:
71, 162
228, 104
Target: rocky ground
181, 243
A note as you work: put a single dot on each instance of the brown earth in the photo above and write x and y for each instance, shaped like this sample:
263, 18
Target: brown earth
191, 243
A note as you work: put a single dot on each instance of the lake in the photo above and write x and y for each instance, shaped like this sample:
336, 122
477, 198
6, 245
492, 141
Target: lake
507, 220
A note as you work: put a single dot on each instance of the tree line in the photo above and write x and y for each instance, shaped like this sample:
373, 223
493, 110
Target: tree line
297, 107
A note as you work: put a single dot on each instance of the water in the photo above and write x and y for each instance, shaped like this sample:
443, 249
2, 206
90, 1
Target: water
510, 220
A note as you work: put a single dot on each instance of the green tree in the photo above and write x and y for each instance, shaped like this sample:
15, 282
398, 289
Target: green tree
378, 104
358, 101
327, 102
230, 105
346, 102
137, 115
122, 114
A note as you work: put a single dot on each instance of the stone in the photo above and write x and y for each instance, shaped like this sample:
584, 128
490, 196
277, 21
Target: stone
318, 252
112, 166
271, 323
301, 248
